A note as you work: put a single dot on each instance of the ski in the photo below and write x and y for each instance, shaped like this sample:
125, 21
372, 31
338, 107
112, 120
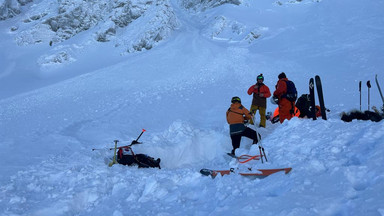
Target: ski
378, 86
260, 173
319, 89
312, 98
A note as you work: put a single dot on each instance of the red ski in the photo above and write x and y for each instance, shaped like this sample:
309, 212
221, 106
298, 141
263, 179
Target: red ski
261, 173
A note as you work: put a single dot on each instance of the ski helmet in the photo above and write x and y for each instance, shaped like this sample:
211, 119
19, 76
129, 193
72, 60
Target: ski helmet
260, 77
235, 99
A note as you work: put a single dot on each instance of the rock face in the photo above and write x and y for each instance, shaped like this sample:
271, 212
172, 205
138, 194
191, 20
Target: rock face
56, 21
127, 25
202, 5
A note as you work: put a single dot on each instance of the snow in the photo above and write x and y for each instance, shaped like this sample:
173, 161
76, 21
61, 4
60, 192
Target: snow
59, 102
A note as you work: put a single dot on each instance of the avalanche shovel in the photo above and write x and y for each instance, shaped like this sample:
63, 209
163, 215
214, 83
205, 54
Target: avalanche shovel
114, 155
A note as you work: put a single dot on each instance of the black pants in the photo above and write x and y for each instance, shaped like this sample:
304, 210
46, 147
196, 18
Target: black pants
144, 161
236, 138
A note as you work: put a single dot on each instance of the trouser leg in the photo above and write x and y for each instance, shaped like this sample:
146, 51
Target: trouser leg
285, 107
235, 142
263, 119
253, 110
251, 134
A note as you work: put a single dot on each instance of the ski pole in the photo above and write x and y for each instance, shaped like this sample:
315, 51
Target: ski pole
360, 93
261, 155
381, 94
136, 141
262, 148
369, 86
265, 156
259, 140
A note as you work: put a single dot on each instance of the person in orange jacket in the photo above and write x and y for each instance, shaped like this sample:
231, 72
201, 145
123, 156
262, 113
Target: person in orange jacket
259, 102
286, 107
237, 115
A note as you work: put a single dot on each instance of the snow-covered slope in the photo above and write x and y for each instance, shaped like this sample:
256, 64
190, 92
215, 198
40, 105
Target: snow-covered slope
179, 91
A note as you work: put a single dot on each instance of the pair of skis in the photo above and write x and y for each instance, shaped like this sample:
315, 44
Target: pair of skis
260, 173
320, 95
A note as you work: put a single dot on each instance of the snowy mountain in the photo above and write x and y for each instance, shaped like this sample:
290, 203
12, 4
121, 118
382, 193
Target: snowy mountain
76, 75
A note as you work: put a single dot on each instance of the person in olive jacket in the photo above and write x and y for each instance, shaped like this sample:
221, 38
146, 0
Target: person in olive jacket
259, 102
236, 117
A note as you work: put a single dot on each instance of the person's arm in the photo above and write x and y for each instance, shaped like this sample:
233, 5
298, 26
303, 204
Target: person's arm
265, 92
251, 89
281, 89
247, 114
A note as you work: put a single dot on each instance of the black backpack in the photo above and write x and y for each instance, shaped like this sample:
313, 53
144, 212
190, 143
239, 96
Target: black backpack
291, 94
303, 103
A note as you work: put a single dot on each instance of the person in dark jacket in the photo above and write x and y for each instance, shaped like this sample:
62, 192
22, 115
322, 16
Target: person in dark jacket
259, 102
237, 114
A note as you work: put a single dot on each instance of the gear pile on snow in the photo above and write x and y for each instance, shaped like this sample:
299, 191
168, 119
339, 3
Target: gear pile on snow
359, 115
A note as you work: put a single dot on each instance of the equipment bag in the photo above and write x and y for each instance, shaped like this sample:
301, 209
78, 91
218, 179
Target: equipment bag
303, 103
291, 94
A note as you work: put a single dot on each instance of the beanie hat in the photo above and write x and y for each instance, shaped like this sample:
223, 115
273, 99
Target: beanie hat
282, 75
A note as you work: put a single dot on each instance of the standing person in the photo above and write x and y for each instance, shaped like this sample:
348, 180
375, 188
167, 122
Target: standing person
286, 107
236, 116
259, 102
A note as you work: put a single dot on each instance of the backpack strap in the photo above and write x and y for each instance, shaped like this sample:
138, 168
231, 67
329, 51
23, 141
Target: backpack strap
241, 107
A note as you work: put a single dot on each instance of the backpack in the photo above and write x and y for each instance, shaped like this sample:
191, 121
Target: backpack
303, 103
291, 94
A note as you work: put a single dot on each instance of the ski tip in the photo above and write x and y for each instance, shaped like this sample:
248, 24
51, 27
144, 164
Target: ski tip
288, 170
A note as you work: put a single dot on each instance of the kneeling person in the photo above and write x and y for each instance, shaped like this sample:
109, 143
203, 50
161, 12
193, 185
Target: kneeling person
237, 114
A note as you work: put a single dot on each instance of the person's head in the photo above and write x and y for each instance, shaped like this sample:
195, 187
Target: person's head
282, 75
260, 78
236, 100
